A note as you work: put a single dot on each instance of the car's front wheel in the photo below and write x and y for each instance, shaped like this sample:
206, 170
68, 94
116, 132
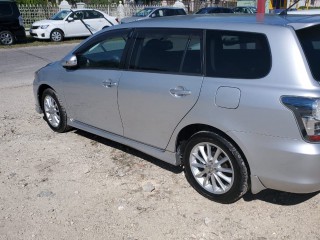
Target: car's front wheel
54, 113
56, 35
215, 168
6, 38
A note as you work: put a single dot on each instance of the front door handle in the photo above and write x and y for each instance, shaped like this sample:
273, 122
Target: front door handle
179, 91
109, 83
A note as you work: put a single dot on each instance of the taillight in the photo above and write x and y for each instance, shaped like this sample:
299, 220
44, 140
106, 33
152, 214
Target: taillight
307, 113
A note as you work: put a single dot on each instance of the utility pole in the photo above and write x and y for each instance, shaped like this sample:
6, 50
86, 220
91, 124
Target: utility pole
261, 6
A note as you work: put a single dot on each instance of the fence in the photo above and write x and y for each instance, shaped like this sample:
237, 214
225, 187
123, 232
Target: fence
32, 13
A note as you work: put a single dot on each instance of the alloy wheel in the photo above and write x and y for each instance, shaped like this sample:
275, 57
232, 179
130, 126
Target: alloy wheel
212, 168
51, 110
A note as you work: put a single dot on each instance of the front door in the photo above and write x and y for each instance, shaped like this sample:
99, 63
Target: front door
76, 27
91, 89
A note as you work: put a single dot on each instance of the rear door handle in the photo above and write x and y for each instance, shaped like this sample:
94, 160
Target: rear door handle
179, 91
109, 83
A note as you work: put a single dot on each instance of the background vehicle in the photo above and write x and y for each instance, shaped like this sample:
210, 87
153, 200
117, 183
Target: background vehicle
11, 23
248, 10
74, 23
305, 12
152, 12
206, 96
209, 10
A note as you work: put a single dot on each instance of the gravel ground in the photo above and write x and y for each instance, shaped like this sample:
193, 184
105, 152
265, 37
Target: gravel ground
79, 186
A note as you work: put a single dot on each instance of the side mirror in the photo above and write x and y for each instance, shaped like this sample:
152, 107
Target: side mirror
70, 19
70, 62
153, 15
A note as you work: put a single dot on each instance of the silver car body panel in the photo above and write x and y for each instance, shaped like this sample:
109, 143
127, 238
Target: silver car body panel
264, 129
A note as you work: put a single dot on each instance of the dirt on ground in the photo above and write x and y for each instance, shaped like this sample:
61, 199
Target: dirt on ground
79, 186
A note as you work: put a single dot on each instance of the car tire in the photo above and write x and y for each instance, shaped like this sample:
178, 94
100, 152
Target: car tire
54, 113
56, 35
215, 168
6, 38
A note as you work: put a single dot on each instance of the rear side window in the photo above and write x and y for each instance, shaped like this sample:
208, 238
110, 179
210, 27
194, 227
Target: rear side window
171, 51
310, 42
231, 54
5, 9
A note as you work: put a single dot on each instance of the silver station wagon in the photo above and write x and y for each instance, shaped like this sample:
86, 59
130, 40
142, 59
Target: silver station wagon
233, 99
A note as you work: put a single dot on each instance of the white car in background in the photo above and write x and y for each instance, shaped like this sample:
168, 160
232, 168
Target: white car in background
72, 23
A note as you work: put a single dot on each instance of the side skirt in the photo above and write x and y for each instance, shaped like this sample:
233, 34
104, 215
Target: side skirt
161, 154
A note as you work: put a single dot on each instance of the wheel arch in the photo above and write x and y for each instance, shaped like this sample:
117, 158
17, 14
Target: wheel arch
41, 89
59, 29
188, 131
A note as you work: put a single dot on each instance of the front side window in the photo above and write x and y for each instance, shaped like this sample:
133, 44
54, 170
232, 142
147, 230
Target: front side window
310, 42
104, 54
231, 54
77, 15
93, 15
167, 51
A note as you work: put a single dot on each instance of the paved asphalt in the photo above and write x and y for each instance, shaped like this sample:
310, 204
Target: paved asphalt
17, 65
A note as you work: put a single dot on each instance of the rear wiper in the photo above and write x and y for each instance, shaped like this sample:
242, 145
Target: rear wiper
285, 12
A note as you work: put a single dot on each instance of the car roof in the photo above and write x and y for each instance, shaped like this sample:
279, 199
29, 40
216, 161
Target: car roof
212, 21
215, 8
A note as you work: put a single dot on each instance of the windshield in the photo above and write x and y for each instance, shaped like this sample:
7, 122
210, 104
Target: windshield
310, 42
144, 12
60, 15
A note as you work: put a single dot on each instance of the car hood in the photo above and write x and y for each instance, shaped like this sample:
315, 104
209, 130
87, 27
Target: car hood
132, 19
44, 22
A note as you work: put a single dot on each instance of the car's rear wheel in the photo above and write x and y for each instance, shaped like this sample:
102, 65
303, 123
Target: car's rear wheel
54, 113
6, 38
215, 168
56, 35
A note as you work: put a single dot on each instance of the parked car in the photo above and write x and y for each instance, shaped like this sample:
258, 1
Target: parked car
208, 10
304, 12
197, 92
72, 23
11, 23
247, 10
153, 12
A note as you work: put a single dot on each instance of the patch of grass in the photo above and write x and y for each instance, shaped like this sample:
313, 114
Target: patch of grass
32, 42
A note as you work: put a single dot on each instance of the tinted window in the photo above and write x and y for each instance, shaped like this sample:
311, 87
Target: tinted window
77, 15
180, 12
105, 54
237, 55
93, 14
5, 9
167, 51
310, 41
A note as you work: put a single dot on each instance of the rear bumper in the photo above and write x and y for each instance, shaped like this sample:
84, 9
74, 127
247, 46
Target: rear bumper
290, 165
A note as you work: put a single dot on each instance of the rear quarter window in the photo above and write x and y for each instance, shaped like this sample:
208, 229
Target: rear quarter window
5, 9
310, 41
231, 54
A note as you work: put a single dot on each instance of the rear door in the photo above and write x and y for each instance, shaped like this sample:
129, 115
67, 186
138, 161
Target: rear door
161, 85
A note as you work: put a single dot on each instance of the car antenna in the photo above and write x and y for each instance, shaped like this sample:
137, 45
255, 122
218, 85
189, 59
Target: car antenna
285, 12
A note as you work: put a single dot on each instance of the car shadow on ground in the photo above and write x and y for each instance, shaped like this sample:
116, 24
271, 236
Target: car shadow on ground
268, 195
278, 197
132, 151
